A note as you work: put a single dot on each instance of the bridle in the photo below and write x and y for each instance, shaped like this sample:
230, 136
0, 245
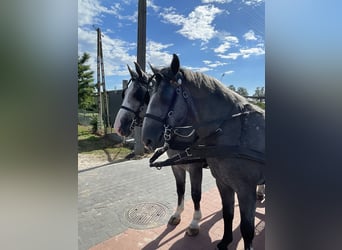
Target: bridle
138, 119
180, 92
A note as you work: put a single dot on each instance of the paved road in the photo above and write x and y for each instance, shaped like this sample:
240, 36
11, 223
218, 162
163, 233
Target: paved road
105, 193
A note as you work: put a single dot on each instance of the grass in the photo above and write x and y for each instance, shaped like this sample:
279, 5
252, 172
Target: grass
261, 105
101, 146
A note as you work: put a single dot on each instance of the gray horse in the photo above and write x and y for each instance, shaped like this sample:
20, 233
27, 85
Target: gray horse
135, 100
229, 133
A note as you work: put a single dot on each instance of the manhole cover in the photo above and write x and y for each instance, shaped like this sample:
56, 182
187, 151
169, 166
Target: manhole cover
146, 215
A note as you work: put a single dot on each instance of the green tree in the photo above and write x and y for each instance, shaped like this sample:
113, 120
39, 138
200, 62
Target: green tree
242, 91
259, 92
232, 87
86, 86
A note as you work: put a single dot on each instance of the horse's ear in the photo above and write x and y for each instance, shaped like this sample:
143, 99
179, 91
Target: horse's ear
130, 70
138, 69
175, 64
154, 70
132, 73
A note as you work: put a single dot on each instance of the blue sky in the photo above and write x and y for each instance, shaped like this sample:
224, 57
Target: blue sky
221, 38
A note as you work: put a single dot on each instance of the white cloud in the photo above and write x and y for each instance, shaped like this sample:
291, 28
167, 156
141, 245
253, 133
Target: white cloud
214, 64
197, 25
198, 69
232, 56
216, 1
253, 2
250, 35
156, 54
90, 10
151, 4
228, 42
117, 53
245, 52
229, 72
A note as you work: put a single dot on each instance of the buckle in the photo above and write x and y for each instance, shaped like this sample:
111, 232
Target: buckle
167, 133
133, 124
187, 151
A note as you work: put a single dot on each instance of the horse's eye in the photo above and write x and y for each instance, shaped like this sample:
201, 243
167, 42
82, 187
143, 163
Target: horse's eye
139, 94
167, 93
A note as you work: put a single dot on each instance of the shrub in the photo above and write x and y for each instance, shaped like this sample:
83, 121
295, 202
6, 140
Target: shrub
93, 123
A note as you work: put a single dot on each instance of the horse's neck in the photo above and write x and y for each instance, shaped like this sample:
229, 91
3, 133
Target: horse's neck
211, 107
214, 103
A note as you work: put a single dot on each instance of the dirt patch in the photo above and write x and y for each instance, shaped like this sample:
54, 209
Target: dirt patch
89, 160
86, 161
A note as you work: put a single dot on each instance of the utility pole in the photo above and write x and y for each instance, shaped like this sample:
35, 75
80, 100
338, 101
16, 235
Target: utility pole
141, 59
98, 86
100, 71
105, 96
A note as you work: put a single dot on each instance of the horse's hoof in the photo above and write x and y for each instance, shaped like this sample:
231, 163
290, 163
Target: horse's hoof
174, 221
192, 231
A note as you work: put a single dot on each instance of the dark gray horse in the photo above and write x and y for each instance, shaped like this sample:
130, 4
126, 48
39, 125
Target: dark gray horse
229, 133
135, 100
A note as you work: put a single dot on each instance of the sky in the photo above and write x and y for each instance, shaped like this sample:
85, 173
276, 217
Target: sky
221, 38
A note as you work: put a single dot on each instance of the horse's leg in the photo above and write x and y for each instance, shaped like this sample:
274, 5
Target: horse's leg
247, 204
179, 174
195, 171
260, 192
227, 197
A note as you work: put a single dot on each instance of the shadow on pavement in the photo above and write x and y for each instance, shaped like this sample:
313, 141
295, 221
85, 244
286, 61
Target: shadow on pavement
202, 239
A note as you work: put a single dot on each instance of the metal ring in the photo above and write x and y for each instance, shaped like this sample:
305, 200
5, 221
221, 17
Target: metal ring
170, 113
133, 124
178, 90
167, 137
187, 151
185, 95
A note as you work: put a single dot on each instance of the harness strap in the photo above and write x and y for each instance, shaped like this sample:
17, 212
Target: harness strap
159, 152
170, 162
199, 153
154, 117
227, 151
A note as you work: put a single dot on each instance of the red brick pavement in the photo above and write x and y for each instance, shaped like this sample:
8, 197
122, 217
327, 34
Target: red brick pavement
174, 237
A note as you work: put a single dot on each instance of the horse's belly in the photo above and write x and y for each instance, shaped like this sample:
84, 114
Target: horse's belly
236, 172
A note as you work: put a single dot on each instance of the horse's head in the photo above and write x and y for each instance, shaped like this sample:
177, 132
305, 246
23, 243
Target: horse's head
135, 100
168, 107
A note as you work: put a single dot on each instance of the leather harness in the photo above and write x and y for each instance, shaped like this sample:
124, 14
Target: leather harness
197, 152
